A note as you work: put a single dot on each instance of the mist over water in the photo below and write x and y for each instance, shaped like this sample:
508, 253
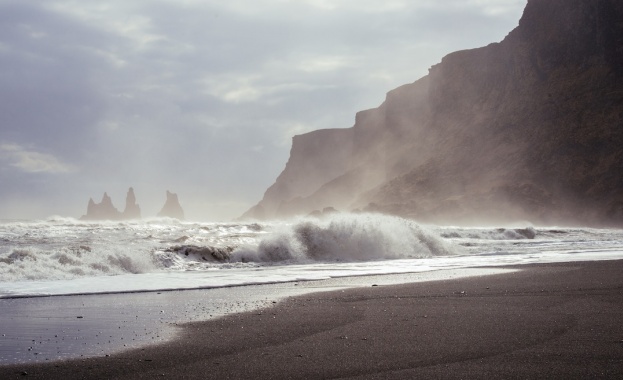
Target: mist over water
66, 256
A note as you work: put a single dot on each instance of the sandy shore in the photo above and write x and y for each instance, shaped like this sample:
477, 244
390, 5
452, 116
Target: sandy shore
547, 321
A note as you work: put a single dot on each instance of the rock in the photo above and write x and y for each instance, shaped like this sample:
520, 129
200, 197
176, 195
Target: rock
106, 211
208, 253
172, 207
256, 212
525, 129
132, 209
101, 211
315, 214
325, 212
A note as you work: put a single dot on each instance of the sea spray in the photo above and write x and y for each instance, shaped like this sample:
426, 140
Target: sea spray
65, 248
63, 263
492, 234
347, 237
130, 254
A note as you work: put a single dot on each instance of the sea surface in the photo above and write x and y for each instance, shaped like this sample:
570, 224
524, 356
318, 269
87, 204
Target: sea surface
64, 256
140, 279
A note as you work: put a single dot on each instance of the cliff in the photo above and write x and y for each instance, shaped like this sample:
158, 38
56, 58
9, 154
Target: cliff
530, 128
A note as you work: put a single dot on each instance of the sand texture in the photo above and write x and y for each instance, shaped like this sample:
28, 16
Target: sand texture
554, 321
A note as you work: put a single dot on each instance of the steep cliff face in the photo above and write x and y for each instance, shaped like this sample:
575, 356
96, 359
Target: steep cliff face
528, 128
315, 158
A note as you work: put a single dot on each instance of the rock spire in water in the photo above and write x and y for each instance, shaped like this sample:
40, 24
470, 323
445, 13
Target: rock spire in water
172, 207
101, 211
106, 211
132, 209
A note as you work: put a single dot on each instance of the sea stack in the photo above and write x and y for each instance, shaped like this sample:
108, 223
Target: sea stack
106, 211
101, 211
132, 209
172, 207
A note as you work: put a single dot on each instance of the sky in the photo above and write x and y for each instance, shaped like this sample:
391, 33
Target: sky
200, 97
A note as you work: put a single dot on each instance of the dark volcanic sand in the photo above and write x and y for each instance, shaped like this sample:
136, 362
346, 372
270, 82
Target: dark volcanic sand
548, 321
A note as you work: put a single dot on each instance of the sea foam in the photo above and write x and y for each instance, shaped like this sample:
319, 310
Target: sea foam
226, 254
64, 248
346, 237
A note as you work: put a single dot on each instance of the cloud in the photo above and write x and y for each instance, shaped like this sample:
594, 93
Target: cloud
31, 161
181, 94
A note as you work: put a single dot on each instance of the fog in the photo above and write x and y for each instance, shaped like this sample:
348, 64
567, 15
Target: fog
201, 98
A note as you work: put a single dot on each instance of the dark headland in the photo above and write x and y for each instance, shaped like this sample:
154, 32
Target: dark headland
530, 128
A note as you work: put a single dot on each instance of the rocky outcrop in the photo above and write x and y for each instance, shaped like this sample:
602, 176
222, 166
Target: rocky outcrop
132, 209
172, 207
106, 211
529, 128
101, 211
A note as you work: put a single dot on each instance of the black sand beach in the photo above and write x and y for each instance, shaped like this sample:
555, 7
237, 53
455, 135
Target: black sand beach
554, 321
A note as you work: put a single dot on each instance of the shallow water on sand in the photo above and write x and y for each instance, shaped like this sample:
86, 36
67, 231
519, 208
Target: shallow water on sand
38, 329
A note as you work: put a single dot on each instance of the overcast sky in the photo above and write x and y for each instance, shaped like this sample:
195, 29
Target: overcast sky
200, 97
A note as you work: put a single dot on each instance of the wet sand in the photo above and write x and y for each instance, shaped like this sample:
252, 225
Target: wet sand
40, 329
546, 321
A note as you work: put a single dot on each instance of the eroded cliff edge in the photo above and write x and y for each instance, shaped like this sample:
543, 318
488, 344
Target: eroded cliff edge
530, 128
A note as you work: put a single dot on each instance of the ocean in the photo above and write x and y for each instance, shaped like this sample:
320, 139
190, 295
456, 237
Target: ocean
44, 264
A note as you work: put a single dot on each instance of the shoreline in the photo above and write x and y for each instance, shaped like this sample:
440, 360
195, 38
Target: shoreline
426, 275
74, 326
558, 320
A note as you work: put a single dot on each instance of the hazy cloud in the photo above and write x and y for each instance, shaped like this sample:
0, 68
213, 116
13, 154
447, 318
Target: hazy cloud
32, 162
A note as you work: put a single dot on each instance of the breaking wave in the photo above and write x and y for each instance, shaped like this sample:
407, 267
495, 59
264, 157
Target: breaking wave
65, 248
363, 237
70, 262
491, 234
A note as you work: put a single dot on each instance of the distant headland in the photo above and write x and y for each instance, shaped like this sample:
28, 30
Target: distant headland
105, 210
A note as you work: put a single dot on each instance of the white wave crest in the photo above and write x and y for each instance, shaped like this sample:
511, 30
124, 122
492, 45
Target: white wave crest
491, 234
347, 237
70, 262
65, 248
